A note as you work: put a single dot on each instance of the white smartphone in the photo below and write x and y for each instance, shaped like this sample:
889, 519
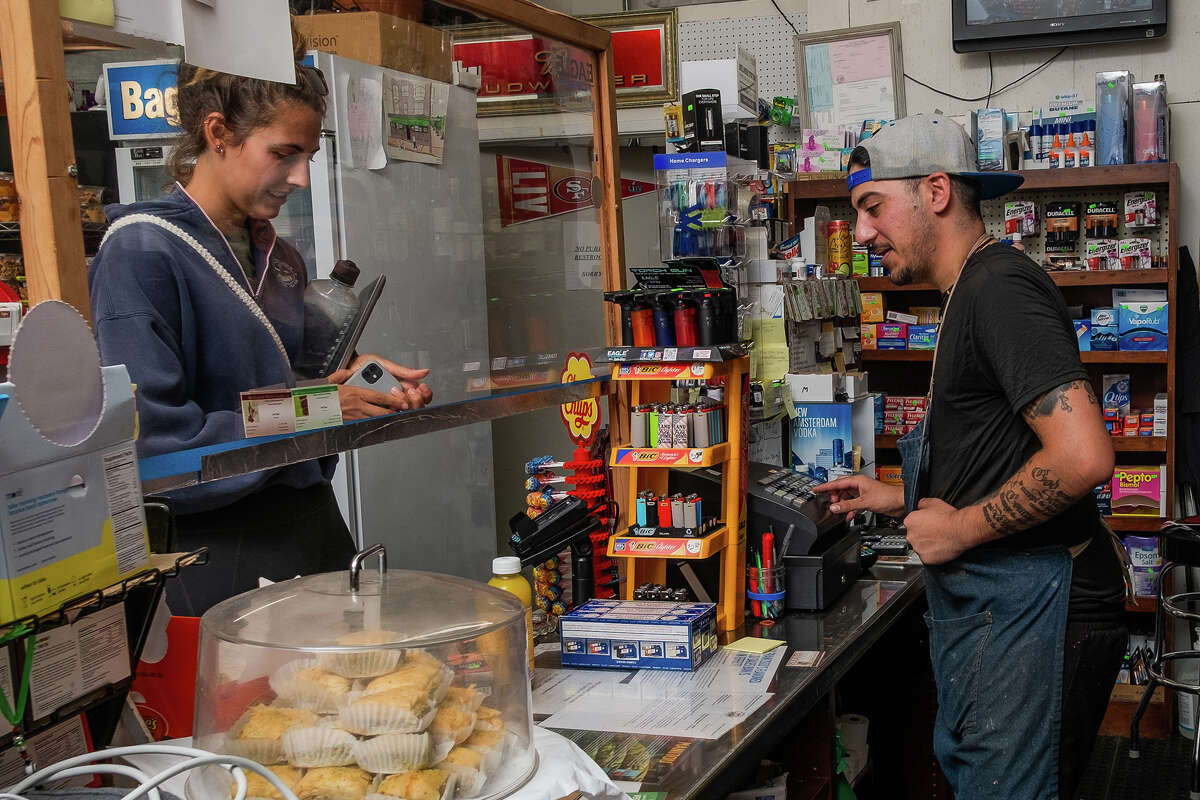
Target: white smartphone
372, 375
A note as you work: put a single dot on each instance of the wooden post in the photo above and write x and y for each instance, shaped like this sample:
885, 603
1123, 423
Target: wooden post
35, 84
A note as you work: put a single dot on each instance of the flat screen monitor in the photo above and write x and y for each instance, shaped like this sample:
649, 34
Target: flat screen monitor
989, 25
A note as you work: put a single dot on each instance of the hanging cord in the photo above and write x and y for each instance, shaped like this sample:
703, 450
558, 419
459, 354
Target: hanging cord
15, 715
990, 94
785, 17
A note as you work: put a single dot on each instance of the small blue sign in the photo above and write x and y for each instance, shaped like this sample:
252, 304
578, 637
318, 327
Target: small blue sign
707, 160
142, 99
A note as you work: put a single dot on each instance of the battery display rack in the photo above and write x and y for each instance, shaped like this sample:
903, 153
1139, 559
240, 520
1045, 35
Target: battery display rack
646, 548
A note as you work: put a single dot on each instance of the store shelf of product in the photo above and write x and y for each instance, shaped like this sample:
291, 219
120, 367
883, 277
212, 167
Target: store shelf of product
1124, 357
1062, 278
693, 371
829, 188
897, 355
1135, 524
667, 547
1140, 444
669, 457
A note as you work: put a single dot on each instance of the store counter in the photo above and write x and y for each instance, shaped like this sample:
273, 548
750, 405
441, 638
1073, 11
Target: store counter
678, 768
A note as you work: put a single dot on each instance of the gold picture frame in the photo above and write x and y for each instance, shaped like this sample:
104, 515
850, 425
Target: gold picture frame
630, 91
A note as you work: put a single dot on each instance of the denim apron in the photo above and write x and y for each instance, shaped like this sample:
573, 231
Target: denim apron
997, 621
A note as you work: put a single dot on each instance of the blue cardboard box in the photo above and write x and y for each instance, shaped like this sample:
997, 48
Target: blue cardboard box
922, 337
622, 634
822, 435
1143, 326
1105, 333
1083, 333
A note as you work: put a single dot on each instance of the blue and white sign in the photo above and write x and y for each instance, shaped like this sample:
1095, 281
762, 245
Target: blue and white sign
142, 99
705, 160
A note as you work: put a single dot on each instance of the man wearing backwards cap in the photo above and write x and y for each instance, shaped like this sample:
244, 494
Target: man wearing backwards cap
1024, 585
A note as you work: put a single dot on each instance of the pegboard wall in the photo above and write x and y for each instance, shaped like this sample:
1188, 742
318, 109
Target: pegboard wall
770, 40
993, 216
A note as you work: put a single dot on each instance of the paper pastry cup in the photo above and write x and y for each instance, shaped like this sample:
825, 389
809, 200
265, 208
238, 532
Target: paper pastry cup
297, 693
393, 752
363, 663
447, 793
492, 756
469, 781
264, 751
375, 719
318, 746
443, 675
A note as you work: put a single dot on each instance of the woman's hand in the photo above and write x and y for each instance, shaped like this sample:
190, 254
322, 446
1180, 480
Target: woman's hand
358, 403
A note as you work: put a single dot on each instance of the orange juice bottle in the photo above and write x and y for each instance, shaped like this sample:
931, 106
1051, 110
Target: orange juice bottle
506, 575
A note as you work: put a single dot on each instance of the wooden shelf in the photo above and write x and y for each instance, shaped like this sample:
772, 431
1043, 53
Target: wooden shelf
1142, 605
1135, 524
672, 457
621, 546
885, 441
1156, 724
897, 355
1061, 278
1140, 444
1124, 357
1036, 180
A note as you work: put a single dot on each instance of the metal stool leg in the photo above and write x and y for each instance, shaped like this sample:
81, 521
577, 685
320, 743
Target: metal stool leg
1134, 738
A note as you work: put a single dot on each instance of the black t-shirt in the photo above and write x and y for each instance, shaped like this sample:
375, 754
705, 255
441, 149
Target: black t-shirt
1005, 341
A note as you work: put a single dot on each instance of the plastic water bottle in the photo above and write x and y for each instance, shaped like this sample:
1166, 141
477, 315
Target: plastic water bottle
329, 308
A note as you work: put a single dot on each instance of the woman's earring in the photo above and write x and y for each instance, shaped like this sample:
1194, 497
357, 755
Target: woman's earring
221, 149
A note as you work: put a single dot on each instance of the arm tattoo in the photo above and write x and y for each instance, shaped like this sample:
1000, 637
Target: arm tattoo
1057, 398
1031, 496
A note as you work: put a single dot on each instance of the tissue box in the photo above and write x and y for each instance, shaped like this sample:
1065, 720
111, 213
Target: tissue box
1083, 333
620, 634
1142, 326
1105, 330
922, 337
1139, 491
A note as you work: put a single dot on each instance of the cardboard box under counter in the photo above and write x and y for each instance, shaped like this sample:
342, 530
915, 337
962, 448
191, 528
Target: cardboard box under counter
623, 634
380, 39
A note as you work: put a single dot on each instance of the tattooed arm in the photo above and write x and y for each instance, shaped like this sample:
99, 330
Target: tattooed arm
1076, 455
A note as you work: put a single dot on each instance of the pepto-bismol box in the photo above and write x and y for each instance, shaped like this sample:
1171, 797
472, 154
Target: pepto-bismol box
622, 634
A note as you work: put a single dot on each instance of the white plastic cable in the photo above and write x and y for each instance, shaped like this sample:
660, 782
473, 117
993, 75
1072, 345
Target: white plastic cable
148, 785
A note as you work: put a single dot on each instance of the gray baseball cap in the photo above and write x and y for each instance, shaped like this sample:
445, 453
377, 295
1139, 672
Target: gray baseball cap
922, 144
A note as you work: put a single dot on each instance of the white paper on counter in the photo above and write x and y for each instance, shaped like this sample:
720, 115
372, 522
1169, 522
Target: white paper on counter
727, 672
697, 715
250, 39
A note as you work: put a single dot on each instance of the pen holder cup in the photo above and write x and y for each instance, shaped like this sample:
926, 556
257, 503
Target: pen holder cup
765, 591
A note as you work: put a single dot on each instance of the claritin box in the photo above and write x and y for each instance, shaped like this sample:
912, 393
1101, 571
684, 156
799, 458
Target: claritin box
638, 635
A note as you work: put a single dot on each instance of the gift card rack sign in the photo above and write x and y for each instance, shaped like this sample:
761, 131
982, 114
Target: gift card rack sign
702, 433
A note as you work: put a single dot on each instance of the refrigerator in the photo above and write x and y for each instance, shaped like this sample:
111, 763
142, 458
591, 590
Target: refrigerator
429, 499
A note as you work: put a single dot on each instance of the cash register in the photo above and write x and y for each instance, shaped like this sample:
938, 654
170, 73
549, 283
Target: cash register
820, 551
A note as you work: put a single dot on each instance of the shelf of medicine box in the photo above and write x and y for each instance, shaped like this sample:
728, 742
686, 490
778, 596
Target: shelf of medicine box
1135, 524
714, 353
897, 355
1124, 357
1128, 175
1122, 444
102, 720
674, 548
1062, 278
669, 457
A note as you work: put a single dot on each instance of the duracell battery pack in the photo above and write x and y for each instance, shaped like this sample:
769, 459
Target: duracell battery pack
702, 126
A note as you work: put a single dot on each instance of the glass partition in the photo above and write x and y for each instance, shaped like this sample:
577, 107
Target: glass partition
490, 252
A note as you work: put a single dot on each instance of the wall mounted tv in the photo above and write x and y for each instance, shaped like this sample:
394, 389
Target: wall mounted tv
989, 25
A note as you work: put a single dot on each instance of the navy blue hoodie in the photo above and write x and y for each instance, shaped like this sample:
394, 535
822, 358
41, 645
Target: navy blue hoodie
195, 334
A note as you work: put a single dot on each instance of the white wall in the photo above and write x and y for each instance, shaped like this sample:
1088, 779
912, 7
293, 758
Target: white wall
929, 56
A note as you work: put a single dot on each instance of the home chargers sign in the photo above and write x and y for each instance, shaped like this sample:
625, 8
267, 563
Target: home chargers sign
530, 190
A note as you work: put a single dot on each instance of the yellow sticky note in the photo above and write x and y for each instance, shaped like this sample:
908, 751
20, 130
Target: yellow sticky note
100, 12
752, 644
